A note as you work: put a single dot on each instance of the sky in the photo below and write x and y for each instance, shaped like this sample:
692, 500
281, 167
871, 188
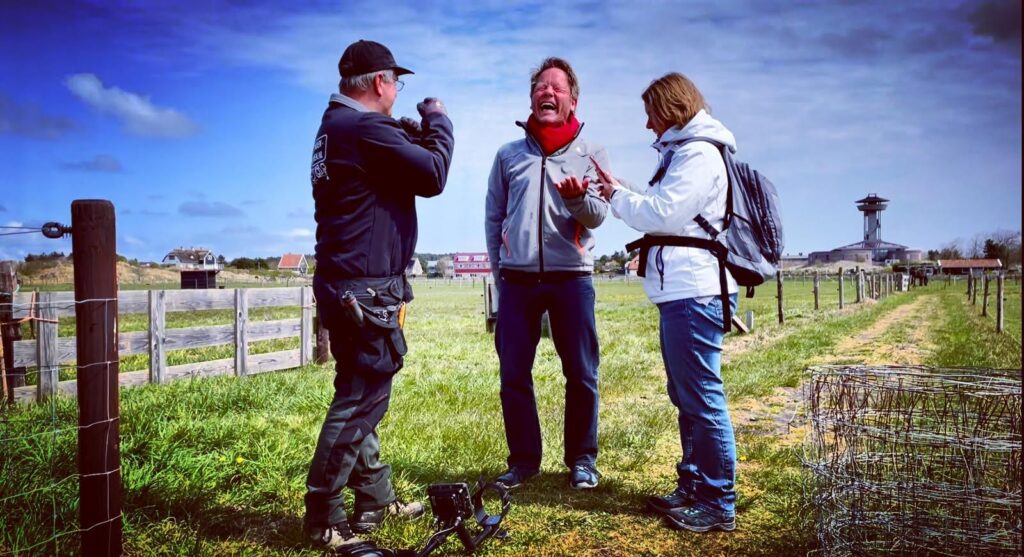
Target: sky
197, 119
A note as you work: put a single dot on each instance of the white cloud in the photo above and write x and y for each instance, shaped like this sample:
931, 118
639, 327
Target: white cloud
137, 113
299, 233
132, 240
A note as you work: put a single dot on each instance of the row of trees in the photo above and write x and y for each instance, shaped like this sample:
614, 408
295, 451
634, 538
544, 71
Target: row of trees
1004, 245
252, 263
614, 263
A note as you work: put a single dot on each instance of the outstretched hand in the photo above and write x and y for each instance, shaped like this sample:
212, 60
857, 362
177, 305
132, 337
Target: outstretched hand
571, 187
606, 183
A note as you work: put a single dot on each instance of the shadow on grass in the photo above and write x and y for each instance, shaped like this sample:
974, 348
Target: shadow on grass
547, 489
207, 522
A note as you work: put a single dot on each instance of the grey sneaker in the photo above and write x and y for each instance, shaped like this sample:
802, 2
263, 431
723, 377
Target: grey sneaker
334, 537
676, 499
514, 477
584, 476
368, 521
698, 520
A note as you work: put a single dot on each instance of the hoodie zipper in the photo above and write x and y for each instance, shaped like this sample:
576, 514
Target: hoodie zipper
540, 209
543, 186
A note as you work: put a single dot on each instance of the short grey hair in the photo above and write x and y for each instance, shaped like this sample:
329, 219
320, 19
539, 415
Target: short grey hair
364, 81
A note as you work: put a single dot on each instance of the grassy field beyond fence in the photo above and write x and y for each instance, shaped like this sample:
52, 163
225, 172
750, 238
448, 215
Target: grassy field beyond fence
217, 466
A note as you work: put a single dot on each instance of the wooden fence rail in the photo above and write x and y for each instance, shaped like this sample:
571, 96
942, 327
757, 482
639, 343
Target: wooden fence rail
48, 352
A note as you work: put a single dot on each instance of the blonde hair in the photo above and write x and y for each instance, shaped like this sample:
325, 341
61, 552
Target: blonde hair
674, 99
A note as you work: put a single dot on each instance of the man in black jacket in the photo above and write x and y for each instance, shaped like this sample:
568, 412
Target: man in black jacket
367, 171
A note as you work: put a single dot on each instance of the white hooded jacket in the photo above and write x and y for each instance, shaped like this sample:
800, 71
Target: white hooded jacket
695, 183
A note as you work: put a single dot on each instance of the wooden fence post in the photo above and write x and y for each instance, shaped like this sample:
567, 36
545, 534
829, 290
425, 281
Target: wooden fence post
323, 342
999, 302
9, 331
984, 295
816, 289
974, 290
841, 301
306, 326
157, 334
778, 276
241, 332
856, 288
94, 245
46, 348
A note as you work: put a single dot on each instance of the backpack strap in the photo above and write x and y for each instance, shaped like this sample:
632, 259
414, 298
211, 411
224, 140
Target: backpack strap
722, 149
716, 248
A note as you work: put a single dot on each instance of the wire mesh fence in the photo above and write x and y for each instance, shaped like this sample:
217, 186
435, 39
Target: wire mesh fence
915, 460
39, 448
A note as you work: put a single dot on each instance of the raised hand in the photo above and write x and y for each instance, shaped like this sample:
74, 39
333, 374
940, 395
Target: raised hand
571, 187
431, 105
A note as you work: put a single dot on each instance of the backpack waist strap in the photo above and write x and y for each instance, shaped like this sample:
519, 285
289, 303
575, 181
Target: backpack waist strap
716, 248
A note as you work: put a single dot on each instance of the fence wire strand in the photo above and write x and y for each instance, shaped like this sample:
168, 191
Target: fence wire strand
915, 460
39, 483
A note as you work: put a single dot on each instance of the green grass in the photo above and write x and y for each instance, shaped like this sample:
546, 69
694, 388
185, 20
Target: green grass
964, 338
217, 466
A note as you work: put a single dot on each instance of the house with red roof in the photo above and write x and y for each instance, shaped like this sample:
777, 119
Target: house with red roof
967, 266
295, 262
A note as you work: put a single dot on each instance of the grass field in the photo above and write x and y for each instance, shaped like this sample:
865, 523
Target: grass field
217, 466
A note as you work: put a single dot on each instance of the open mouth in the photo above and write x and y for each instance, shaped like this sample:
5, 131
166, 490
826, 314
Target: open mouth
548, 106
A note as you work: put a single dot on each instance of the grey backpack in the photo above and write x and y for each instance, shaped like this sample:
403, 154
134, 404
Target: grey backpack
750, 243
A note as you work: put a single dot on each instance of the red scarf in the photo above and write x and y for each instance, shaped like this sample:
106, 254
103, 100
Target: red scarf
553, 138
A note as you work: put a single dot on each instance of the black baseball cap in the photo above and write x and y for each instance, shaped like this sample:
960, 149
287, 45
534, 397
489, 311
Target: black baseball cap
362, 57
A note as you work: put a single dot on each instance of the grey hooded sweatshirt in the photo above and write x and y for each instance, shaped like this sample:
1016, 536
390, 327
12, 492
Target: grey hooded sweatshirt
528, 226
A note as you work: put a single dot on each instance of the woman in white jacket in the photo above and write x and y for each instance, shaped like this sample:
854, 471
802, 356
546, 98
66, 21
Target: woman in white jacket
690, 184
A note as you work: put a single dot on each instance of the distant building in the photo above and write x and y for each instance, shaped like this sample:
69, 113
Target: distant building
192, 259
965, 266
793, 261
471, 265
295, 262
414, 269
633, 267
872, 249
198, 267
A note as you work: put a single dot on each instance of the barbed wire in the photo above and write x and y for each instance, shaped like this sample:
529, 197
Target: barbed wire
912, 460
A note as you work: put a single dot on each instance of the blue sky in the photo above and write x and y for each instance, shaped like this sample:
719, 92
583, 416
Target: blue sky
197, 119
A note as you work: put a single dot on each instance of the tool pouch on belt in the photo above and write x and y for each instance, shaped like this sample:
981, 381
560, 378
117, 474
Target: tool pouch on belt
379, 342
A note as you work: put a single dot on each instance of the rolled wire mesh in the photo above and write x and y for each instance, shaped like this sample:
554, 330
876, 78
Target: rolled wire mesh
915, 460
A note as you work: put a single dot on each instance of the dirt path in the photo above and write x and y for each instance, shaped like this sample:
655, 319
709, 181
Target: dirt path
898, 337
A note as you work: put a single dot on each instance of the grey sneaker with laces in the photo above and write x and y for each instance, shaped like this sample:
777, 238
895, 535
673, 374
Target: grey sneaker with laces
368, 521
514, 477
676, 499
698, 520
333, 537
583, 476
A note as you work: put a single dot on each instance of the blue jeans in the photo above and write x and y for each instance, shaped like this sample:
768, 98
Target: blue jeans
570, 306
691, 346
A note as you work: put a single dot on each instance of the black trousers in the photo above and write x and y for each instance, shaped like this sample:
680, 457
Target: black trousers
348, 449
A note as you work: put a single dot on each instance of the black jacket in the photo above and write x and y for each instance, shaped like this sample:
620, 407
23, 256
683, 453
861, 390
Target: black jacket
366, 174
